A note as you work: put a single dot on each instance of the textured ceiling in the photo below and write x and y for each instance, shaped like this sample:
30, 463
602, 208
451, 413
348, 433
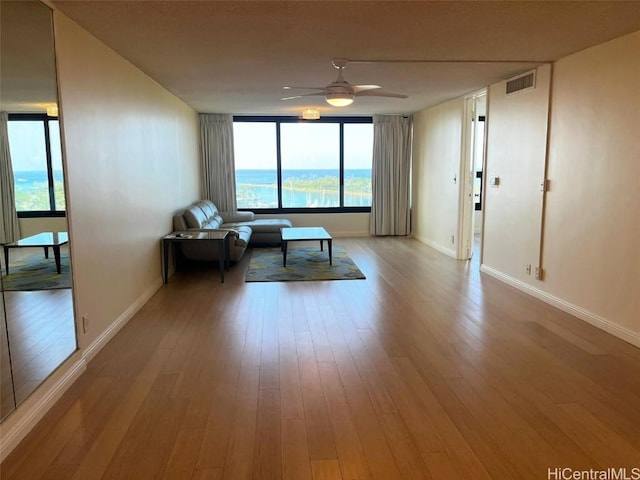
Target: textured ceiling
235, 56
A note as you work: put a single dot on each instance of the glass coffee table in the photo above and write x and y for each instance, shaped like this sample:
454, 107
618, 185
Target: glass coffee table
302, 234
44, 240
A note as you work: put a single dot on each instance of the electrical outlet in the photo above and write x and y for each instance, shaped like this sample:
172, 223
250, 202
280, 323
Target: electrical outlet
85, 323
539, 273
528, 269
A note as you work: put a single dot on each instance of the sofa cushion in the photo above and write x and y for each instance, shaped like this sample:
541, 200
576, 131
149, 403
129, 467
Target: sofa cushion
263, 225
210, 205
241, 232
208, 208
194, 217
237, 217
213, 223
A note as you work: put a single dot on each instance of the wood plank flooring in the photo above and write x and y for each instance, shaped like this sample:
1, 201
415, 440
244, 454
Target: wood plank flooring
41, 335
40, 329
426, 369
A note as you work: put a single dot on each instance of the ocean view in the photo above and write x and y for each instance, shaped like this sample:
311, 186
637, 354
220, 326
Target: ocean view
254, 188
32, 190
302, 188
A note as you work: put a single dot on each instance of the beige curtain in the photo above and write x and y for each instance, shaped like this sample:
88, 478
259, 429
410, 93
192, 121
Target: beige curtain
218, 161
390, 207
9, 229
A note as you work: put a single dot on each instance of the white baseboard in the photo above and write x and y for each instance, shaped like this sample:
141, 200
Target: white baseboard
35, 410
438, 247
32, 411
91, 350
350, 234
597, 321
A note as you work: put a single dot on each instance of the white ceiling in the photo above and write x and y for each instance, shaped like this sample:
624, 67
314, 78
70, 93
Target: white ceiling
235, 56
27, 61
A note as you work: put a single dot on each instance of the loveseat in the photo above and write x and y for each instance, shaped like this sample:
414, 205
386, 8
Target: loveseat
243, 227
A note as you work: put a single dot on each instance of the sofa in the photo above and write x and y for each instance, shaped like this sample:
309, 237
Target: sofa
243, 227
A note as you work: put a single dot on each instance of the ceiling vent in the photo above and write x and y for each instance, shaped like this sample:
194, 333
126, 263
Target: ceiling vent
521, 82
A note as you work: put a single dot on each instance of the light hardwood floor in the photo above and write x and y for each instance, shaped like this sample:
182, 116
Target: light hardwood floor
426, 369
41, 333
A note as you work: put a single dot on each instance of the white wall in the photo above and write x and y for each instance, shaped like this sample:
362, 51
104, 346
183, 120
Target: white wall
516, 153
337, 224
132, 160
587, 132
592, 230
591, 223
437, 144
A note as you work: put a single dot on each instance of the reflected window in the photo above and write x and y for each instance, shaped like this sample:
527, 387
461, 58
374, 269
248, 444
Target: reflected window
36, 157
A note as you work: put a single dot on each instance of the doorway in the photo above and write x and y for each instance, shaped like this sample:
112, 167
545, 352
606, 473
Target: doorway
471, 171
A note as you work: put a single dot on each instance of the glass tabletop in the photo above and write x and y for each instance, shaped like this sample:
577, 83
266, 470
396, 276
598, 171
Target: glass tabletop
193, 235
44, 239
304, 233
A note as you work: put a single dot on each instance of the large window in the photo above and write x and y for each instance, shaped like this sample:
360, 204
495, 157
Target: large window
285, 163
256, 164
36, 157
358, 153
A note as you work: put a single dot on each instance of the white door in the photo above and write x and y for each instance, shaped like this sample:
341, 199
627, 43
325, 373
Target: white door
471, 162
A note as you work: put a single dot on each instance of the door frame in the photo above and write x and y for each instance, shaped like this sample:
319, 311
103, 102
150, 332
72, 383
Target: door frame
468, 161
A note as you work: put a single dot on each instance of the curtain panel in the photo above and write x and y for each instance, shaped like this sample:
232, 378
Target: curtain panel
9, 228
218, 161
390, 205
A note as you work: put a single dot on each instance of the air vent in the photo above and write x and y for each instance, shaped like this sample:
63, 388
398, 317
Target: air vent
522, 82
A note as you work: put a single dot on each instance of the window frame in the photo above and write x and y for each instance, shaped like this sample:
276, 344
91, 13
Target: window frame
279, 120
45, 119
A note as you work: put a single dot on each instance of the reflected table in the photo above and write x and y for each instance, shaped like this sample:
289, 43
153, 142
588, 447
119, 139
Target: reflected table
44, 240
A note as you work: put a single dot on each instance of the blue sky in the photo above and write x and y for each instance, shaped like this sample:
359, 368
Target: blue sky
27, 146
304, 145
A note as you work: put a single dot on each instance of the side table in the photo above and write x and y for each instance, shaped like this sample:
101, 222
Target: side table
219, 236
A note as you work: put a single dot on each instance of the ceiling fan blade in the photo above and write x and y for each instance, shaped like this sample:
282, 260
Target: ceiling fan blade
303, 88
305, 95
372, 93
363, 88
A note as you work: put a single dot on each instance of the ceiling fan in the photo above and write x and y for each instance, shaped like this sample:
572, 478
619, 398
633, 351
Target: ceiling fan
341, 93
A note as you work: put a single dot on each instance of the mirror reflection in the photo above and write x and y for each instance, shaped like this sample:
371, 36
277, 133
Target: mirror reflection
38, 331
7, 400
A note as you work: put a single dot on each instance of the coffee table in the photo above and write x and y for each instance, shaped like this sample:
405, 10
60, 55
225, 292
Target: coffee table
44, 240
219, 236
302, 234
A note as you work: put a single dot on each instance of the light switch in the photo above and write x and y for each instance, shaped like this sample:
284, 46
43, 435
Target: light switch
494, 181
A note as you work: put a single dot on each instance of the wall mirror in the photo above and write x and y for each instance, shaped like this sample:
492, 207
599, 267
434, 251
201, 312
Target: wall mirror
38, 331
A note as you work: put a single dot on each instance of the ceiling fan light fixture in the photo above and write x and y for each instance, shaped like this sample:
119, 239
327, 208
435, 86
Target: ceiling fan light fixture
311, 114
339, 99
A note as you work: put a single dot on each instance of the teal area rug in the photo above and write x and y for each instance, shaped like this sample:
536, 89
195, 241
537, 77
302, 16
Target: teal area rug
303, 263
34, 272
